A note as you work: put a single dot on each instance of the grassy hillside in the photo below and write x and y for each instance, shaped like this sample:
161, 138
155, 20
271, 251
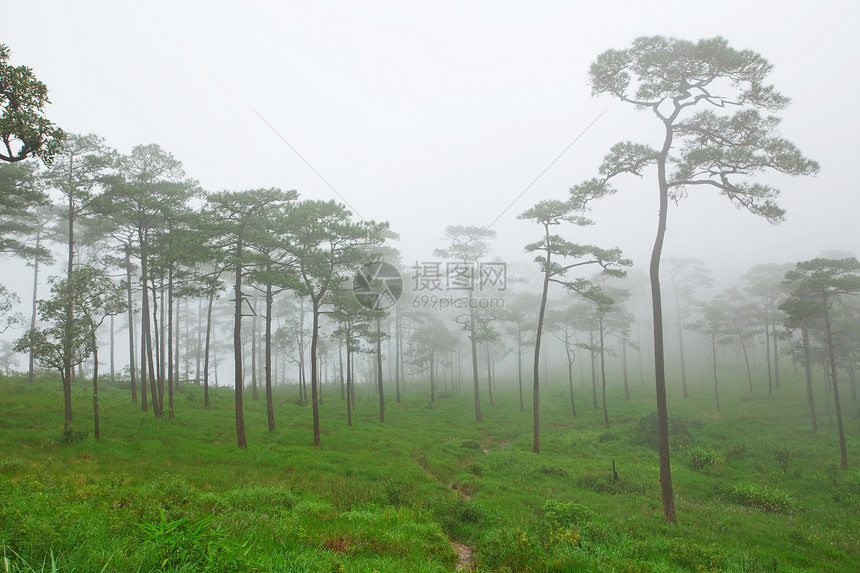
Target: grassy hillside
756, 490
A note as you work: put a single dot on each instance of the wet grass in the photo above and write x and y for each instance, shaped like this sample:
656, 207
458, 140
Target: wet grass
755, 489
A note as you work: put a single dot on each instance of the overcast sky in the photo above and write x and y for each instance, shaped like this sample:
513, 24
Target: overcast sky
437, 113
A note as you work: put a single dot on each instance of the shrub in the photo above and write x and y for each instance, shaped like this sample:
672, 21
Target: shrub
680, 431
72, 436
701, 458
511, 549
607, 436
694, 557
757, 496
10, 465
471, 444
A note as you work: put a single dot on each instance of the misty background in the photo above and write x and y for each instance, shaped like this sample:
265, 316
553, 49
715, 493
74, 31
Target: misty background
446, 113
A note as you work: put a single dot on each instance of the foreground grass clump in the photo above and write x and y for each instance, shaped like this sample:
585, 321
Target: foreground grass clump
755, 490
90, 525
757, 496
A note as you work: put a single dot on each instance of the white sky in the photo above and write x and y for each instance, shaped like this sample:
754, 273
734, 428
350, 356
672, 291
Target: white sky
437, 113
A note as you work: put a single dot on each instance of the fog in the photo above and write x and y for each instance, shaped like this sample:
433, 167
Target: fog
445, 113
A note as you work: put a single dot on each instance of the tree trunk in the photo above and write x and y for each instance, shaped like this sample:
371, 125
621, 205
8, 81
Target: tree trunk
349, 390
681, 346
254, 352
624, 365
238, 379
767, 355
146, 330
489, 373
379, 370
270, 405
397, 348
67, 335
170, 341
520, 365
832, 356
96, 429
807, 368
716, 382
314, 336
603, 375
775, 355
206, 349
432, 377
538, 334
659, 352
129, 302
472, 335
31, 372
570, 359
112, 355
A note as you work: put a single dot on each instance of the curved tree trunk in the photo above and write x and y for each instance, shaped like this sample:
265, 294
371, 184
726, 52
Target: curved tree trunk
659, 349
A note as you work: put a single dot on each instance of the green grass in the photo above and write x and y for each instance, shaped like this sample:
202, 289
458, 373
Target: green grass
755, 489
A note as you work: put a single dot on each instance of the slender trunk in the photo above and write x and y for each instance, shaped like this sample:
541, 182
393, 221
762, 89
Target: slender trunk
681, 345
538, 334
158, 323
315, 302
146, 329
270, 405
254, 352
624, 365
520, 365
432, 378
379, 370
197, 354
489, 373
716, 382
807, 368
340, 365
31, 376
593, 368
303, 390
238, 379
832, 356
570, 359
767, 355
170, 342
131, 363
397, 365
349, 389
67, 335
472, 335
96, 429
657, 309
775, 355
112, 355
206, 349
746, 358
603, 375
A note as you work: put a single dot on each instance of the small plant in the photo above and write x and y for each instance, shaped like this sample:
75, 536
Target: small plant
471, 444
757, 496
72, 436
552, 471
10, 465
701, 458
680, 431
608, 436
782, 457
188, 539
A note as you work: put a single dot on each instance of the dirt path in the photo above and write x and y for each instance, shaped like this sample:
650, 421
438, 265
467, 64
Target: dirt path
465, 554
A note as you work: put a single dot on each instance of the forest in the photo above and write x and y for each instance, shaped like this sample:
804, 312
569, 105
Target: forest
253, 380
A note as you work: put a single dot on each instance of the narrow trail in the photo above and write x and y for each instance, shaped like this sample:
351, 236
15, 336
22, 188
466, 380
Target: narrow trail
465, 554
